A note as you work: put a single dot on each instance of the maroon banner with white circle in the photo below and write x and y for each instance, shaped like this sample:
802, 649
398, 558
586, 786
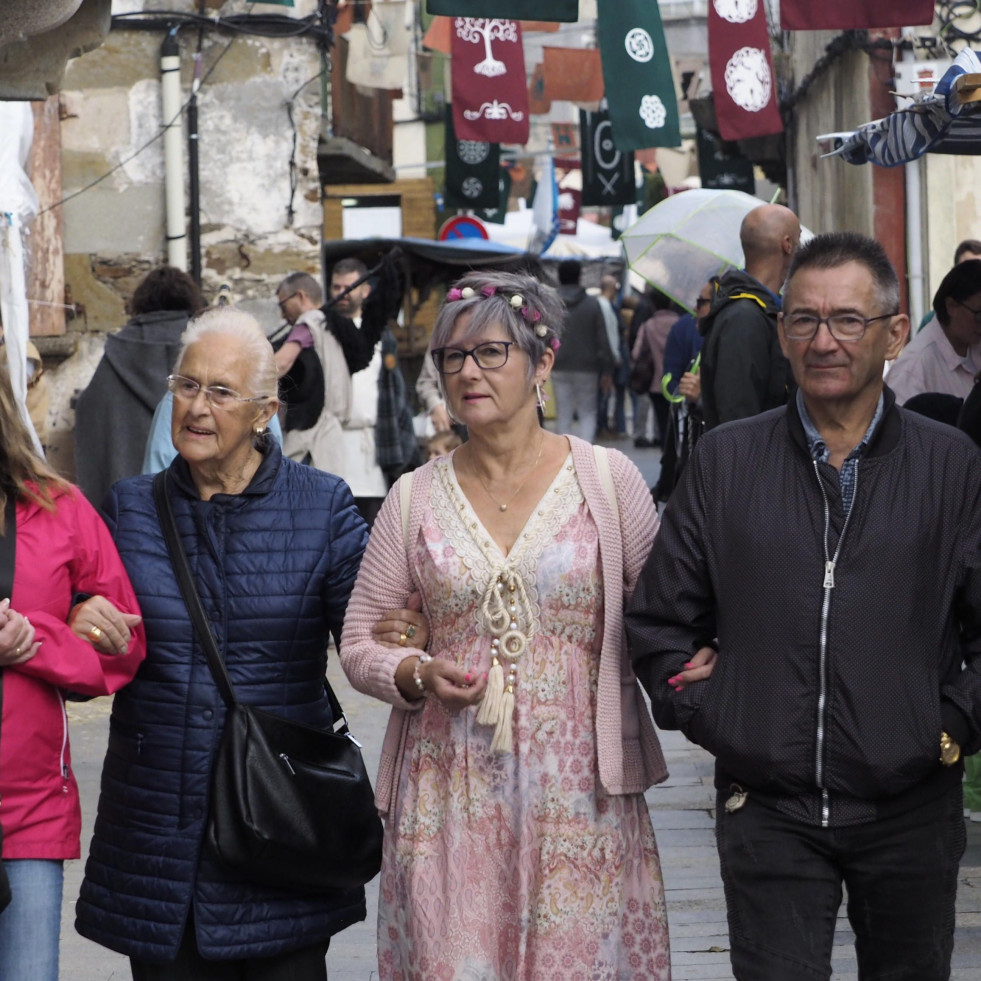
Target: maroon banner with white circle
490, 89
853, 15
744, 87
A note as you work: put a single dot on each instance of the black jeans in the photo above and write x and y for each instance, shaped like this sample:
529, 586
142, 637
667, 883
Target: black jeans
783, 886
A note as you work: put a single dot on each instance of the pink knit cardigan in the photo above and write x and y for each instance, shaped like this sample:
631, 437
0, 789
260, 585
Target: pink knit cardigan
630, 757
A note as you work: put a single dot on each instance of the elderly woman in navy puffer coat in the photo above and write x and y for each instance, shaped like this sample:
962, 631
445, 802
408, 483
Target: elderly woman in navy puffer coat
274, 547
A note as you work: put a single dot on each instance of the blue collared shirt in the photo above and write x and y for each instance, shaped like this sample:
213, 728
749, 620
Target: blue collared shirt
821, 453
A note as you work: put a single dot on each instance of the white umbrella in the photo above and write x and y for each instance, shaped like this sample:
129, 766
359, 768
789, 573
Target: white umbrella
684, 240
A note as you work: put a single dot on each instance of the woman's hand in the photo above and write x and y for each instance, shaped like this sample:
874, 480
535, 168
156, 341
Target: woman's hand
403, 628
454, 686
106, 628
699, 668
17, 643
440, 418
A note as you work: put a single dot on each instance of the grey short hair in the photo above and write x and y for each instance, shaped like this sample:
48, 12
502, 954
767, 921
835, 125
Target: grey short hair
252, 341
301, 281
838, 249
491, 303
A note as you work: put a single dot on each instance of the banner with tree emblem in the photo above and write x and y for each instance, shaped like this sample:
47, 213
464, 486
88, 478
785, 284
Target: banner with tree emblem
853, 15
472, 171
565, 10
743, 85
640, 92
490, 89
607, 173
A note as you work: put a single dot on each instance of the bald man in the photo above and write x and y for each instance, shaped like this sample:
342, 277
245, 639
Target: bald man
743, 369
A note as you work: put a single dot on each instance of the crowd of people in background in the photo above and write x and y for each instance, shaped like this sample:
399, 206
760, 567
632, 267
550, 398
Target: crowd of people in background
806, 607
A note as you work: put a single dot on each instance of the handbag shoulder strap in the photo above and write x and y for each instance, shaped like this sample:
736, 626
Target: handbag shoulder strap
606, 477
178, 558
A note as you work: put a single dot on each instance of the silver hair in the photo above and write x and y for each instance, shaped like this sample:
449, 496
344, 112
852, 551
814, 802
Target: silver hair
244, 328
492, 304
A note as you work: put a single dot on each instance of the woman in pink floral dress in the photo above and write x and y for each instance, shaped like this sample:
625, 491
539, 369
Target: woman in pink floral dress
519, 846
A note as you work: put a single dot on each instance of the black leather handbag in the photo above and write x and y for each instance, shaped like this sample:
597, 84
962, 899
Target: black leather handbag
8, 548
291, 805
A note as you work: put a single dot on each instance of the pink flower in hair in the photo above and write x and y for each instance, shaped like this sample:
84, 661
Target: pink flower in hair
555, 343
531, 315
488, 290
454, 294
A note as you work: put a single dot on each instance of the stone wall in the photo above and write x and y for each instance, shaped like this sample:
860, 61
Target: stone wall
114, 230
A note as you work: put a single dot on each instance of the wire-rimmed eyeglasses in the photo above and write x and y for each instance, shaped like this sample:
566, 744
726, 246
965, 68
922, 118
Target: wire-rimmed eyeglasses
975, 313
486, 356
219, 396
842, 326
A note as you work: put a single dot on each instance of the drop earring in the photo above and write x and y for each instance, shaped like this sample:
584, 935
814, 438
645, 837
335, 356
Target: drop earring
540, 394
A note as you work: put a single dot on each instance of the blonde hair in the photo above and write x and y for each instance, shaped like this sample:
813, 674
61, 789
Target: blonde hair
20, 466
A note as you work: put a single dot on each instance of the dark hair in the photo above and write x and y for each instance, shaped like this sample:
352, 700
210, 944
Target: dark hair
346, 266
961, 283
167, 288
839, 248
569, 272
968, 245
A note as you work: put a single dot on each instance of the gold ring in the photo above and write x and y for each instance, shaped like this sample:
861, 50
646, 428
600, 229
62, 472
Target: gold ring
17, 651
410, 630
403, 637
95, 635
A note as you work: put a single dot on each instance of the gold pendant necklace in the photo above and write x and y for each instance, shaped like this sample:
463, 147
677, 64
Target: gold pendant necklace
504, 506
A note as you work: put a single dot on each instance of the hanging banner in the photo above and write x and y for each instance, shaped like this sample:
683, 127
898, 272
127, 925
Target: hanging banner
563, 10
572, 74
565, 139
720, 170
497, 215
607, 172
848, 15
490, 89
437, 38
743, 85
378, 56
538, 105
472, 171
640, 91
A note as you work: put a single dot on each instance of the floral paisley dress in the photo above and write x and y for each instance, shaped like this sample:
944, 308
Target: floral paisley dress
517, 866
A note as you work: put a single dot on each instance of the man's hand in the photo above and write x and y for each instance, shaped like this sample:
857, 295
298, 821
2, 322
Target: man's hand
690, 386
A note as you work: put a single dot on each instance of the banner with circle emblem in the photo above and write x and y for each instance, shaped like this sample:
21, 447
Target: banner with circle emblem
744, 87
472, 171
640, 92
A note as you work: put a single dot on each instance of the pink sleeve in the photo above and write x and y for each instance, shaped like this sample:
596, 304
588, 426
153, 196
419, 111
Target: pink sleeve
300, 334
384, 583
634, 500
65, 660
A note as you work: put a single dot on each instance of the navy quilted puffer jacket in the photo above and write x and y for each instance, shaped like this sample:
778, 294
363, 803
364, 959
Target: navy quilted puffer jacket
274, 566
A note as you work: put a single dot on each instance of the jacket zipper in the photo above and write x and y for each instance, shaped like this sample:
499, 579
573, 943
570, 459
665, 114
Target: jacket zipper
64, 737
829, 585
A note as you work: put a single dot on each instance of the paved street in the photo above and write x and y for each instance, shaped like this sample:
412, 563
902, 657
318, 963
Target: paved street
682, 810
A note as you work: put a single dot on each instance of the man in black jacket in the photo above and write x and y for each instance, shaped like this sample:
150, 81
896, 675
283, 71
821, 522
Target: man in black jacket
832, 549
743, 370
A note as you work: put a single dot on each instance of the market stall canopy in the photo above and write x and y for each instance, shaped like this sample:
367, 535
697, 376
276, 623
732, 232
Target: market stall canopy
946, 120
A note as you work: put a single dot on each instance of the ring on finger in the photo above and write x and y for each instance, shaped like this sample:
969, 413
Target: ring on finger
17, 651
403, 637
95, 634
410, 631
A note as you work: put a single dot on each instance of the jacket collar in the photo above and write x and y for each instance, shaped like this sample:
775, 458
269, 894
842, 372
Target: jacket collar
262, 480
883, 439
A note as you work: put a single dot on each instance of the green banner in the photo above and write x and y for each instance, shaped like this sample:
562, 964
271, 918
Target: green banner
640, 90
472, 171
564, 10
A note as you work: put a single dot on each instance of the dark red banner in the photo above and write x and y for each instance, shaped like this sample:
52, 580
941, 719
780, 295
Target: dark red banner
744, 87
850, 15
490, 90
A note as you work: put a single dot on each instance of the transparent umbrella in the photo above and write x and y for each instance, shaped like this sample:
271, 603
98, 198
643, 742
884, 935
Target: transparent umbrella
684, 240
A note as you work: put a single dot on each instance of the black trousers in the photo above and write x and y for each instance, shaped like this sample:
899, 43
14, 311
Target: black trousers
308, 964
783, 886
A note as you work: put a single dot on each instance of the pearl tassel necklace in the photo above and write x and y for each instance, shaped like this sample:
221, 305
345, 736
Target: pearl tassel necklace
502, 617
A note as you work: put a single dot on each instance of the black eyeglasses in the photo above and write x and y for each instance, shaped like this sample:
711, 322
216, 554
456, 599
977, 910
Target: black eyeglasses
848, 327
286, 299
219, 396
486, 356
975, 313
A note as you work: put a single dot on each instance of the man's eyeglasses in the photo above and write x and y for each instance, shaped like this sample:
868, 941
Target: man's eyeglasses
843, 326
486, 356
220, 397
976, 313
286, 299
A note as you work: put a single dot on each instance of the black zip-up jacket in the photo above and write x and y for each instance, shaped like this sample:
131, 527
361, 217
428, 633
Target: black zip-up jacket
827, 701
743, 369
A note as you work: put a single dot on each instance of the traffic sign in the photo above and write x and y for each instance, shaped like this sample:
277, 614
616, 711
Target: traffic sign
462, 226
